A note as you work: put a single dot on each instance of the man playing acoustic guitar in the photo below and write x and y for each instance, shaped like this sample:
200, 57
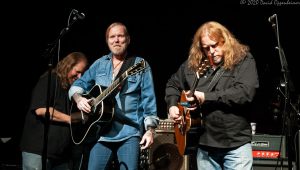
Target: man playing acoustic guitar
224, 94
125, 102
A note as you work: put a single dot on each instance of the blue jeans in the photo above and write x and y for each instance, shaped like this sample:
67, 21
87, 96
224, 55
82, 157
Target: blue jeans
225, 159
31, 161
127, 153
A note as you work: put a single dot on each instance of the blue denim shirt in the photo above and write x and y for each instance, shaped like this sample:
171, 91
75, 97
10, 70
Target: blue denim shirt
135, 107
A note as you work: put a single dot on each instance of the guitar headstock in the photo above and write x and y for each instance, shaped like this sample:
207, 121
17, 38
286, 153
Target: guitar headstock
138, 67
203, 68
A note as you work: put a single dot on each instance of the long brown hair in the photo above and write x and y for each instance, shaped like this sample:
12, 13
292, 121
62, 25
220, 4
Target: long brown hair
233, 50
64, 66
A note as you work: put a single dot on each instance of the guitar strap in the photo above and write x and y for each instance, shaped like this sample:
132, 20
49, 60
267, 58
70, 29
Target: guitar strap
216, 78
129, 61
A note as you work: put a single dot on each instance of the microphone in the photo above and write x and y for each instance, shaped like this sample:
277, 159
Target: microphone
78, 15
272, 18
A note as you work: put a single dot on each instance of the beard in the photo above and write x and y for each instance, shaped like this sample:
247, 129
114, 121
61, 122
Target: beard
118, 50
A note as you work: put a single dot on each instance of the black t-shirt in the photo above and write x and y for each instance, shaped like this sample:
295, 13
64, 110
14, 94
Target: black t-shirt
59, 133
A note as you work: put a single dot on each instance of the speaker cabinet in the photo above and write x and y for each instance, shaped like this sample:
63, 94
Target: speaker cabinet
164, 155
266, 146
271, 164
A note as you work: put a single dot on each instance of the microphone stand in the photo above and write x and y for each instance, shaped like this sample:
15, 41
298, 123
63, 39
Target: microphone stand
286, 83
48, 54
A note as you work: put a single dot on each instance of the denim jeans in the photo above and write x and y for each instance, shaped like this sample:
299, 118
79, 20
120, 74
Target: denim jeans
225, 159
31, 161
127, 153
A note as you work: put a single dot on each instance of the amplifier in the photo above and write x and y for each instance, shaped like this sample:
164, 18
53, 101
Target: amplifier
268, 146
165, 125
272, 164
164, 154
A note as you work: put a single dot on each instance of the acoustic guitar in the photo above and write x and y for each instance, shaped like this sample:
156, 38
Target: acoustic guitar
87, 126
183, 129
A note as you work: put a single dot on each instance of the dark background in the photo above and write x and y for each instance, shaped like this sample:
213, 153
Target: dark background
162, 34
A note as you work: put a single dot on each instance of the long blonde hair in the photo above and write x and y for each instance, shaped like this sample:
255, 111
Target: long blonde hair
233, 50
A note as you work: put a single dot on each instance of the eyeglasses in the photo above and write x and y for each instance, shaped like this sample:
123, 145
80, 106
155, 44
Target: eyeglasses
208, 47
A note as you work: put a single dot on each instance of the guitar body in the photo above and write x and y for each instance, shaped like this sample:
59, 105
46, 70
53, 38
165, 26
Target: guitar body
192, 135
188, 129
182, 127
86, 127
187, 132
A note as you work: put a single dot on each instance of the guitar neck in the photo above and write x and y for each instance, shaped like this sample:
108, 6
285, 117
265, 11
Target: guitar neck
195, 83
111, 88
132, 70
200, 72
